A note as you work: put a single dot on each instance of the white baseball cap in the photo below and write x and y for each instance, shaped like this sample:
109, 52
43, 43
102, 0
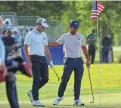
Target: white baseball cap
7, 20
42, 22
15, 30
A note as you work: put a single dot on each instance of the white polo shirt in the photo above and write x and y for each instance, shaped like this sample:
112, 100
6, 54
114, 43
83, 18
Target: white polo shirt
36, 41
72, 44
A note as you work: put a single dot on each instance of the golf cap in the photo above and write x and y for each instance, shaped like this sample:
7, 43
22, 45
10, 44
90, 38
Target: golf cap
7, 20
15, 30
42, 22
74, 24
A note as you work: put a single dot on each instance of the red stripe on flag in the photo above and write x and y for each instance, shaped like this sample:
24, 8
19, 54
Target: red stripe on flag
97, 8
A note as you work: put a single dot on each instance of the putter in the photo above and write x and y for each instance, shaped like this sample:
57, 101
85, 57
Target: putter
90, 85
53, 69
55, 73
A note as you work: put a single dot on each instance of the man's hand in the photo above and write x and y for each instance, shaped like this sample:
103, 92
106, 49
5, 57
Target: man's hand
4, 69
86, 55
88, 63
51, 64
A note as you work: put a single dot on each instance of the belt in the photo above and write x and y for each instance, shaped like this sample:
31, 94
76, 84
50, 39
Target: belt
74, 58
37, 58
35, 55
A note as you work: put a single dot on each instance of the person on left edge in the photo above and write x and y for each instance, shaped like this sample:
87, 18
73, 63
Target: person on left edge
37, 42
8, 70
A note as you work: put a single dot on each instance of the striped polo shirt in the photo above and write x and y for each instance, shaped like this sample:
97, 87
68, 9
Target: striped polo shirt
72, 44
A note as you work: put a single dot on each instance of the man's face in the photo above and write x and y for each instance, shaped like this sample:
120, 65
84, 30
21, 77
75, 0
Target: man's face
14, 32
74, 30
94, 31
7, 22
40, 28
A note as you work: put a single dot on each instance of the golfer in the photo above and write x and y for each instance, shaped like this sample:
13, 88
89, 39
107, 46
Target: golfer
36, 40
73, 43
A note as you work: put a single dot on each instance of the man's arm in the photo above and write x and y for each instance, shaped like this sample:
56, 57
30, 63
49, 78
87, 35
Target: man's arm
27, 55
53, 44
91, 40
47, 52
86, 55
60, 41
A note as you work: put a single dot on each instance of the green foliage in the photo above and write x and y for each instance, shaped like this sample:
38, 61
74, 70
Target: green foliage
47, 9
65, 11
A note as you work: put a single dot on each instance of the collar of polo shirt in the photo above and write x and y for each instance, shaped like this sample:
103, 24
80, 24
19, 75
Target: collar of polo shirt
73, 35
36, 31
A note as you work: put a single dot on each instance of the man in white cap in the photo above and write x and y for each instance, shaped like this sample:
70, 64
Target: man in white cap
7, 23
36, 40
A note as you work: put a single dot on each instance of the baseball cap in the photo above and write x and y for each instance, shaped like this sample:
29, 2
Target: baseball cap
7, 20
15, 30
42, 22
74, 24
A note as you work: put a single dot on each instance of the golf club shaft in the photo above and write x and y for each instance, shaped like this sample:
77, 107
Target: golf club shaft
90, 84
56, 74
53, 69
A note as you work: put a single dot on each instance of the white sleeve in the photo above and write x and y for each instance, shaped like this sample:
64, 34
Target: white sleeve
83, 41
61, 40
28, 39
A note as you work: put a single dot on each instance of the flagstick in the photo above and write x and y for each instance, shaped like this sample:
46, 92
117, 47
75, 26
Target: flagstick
99, 66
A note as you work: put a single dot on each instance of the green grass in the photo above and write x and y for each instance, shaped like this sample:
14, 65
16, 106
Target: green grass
110, 84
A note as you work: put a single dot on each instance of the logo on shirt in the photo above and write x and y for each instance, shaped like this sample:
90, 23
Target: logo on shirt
44, 38
79, 39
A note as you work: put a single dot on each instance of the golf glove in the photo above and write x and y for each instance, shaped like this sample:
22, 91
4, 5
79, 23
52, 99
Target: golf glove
51, 64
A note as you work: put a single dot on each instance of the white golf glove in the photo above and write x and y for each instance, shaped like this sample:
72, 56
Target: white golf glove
51, 64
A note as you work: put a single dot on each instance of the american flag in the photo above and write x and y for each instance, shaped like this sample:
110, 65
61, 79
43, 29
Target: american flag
97, 8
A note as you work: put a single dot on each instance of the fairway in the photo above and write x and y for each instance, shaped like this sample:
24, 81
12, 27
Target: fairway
110, 84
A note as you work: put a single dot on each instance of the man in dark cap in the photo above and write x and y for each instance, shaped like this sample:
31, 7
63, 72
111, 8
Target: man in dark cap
74, 44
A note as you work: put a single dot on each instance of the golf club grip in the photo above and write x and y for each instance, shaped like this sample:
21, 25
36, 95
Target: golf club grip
53, 69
